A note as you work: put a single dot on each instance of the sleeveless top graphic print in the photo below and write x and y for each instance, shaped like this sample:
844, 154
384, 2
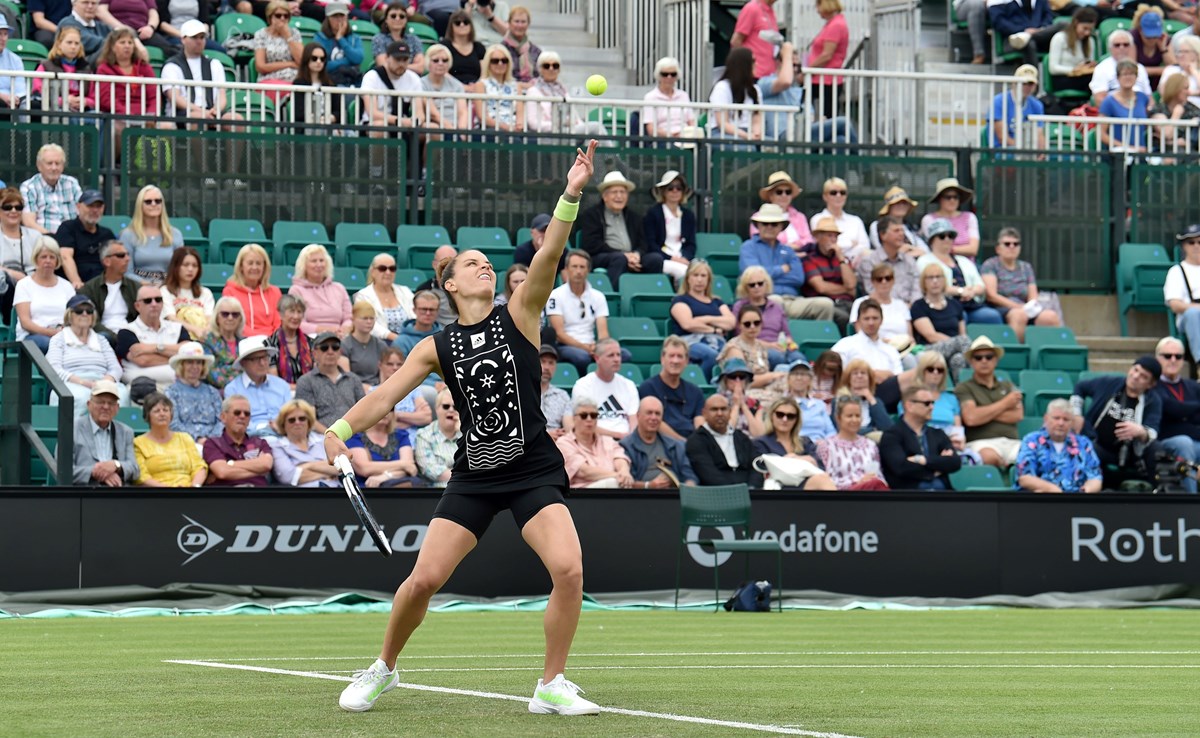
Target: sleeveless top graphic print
494, 375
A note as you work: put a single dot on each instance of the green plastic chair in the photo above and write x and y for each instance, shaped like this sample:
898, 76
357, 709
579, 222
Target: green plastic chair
1041, 386
214, 275
410, 234
718, 506
639, 335
230, 23
31, 52
115, 223
471, 237
410, 278
983, 478
1028, 425
418, 256
226, 61
565, 375
1055, 348
364, 28
308, 27
646, 295
1016, 354
192, 234
291, 236
1107, 26
500, 256
1141, 271
424, 32
814, 336
358, 243
226, 236
721, 251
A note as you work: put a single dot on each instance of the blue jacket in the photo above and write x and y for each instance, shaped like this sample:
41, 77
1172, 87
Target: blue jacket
676, 454
1009, 18
655, 225
756, 252
1179, 417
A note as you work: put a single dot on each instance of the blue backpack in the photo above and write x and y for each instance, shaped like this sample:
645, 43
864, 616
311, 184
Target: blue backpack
751, 597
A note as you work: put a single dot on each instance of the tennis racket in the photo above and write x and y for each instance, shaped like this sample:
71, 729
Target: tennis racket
359, 503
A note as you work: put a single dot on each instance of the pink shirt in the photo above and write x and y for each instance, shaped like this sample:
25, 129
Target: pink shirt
603, 453
847, 462
668, 121
797, 235
757, 16
834, 30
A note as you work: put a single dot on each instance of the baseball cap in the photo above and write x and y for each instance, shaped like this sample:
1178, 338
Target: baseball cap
548, 350
78, 300
105, 387
192, 27
540, 222
324, 336
1152, 25
90, 197
399, 50
337, 9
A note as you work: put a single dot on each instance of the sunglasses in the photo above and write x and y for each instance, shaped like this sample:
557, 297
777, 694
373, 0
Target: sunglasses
751, 323
983, 357
330, 346
386, 267
229, 314
150, 300
499, 62
884, 278
297, 419
668, 74
398, 16
119, 255
755, 284
1120, 44
11, 208
315, 58
587, 416
783, 192
552, 65
926, 403
935, 369
439, 61
835, 193
152, 201
240, 413
285, 16
952, 195
462, 22
674, 188
1011, 244
447, 406
786, 416
84, 311
1172, 356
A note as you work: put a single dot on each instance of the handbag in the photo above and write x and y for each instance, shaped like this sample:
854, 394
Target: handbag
787, 471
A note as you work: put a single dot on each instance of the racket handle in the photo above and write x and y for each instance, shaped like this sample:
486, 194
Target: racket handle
342, 464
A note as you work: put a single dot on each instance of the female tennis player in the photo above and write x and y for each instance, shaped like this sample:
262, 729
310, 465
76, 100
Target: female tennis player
505, 459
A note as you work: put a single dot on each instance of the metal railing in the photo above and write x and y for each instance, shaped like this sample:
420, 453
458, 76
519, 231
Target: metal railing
685, 37
19, 437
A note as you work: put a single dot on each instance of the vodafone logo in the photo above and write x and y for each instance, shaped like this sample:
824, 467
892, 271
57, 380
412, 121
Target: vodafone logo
195, 539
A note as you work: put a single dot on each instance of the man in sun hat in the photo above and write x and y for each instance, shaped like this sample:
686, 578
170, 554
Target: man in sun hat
613, 235
1123, 420
1002, 120
783, 264
265, 392
991, 407
827, 273
780, 190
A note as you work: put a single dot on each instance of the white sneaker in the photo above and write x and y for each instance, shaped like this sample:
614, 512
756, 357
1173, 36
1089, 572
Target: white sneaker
360, 696
560, 697
1019, 40
210, 183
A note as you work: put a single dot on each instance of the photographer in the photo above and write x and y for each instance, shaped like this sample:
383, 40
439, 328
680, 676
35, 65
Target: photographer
1122, 421
490, 18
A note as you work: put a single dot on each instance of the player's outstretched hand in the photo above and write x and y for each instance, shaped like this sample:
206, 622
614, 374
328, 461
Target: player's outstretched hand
334, 447
582, 170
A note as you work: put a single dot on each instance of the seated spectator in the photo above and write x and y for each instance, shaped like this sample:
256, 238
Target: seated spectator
103, 446
951, 200
513, 277
1187, 66
814, 415
991, 407
718, 452
437, 442
930, 372
311, 107
781, 436
327, 304
782, 264
44, 18
67, 55
81, 239
466, 52
739, 118
1122, 422
425, 305
785, 87
1002, 119
672, 226
1104, 76
867, 344
412, 413
1193, 29
342, 45
278, 48
383, 456
851, 460
331, 391
858, 381
361, 351
525, 54
657, 460
502, 110
112, 292
298, 456
699, 318
1176, 104
914, 454
1071, 60
673, 120
1125, 102
593, 458
185, 300
613, 235
617, 395
556, 403
393, 28
16, 247
250, 284
1054, 459
139, 15
852, 237
754, 285
768, 380
827, 373
40, 300
446, 314
938, 322
900, 260
896, 328
897, 204
1012, 287
828, 272
682, 401
13, 90
50, 196
387, 113
1026, 26
578, 313
265, 393
1180, 397
733, 380
147, 345
963, 282
123, 55
93, 31
780, 190
393, 303
1181, 289
222, 341
81, 357
237, 458
197, 404
524, 252
1151, 43
165, 456
150, 238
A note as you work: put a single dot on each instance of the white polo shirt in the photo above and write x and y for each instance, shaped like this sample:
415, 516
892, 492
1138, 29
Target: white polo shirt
879, 354
579, 312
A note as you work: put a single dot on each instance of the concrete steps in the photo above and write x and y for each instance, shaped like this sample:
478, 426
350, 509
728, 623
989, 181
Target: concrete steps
565, 33
1115, 353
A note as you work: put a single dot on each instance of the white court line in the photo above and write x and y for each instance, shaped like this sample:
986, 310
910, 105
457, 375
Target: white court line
776, 729
647, 654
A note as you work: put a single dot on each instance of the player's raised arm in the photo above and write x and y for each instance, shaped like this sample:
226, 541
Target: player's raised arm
530, 297
419, 364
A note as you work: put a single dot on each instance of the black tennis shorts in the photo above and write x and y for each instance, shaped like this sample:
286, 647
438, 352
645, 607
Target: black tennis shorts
475, 512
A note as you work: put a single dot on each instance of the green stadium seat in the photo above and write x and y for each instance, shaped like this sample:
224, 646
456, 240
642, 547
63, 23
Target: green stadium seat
192, 235
723, 289
469, 237
1028, 425
691, 373
418, 256
364, 29
1016, 354
565, 376
525, 233
1107, 26
629, 370
1141, 271
213, 275
814, 336
1040, 387
226, 61
30, 52
1055, 348
308, 27
410, 278
350, 278
1093, 375
358, 243
281, 277
639, 335
721, 251
500, 256
646, 295
134, 418
226, 236
407, 235
240, 23
600, 281
291, 236
983, 478
115, 223
424, 32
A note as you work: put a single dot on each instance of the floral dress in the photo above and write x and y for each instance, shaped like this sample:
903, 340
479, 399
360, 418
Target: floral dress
501, 111
224, 369
278, 50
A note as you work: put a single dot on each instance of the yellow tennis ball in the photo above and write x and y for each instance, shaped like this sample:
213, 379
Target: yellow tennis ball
596, 84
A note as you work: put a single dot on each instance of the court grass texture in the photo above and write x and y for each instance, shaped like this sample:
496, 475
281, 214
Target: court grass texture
979, 672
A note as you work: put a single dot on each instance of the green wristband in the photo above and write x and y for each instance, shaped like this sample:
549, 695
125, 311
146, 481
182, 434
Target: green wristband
341, 429
566, 211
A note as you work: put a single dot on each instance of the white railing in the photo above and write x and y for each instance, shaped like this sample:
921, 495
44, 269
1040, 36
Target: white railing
1160, 137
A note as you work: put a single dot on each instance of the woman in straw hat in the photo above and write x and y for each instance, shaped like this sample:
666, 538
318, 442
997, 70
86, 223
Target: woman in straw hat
780, 190
951, 200
672, 226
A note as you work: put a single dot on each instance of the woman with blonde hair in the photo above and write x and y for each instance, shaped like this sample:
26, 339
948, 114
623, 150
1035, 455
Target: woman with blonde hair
931, 371
393, 303
40, 300
1176, 103
327, 301
224, 332
250, 284
150, 238
753, 286
524, 53
859, 381
938, 322
67, 55
672, 225
781, 437
699, 317
503, 110
298, 453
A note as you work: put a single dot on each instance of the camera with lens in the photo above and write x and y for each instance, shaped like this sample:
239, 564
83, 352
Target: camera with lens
1170, 471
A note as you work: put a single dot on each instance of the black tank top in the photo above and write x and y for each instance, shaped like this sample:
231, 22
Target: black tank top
494, 374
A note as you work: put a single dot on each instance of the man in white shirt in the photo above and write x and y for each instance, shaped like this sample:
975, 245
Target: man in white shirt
391, 111
1181, 289
1104, 77
866, 344
578, 313
147, 345
617, 395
